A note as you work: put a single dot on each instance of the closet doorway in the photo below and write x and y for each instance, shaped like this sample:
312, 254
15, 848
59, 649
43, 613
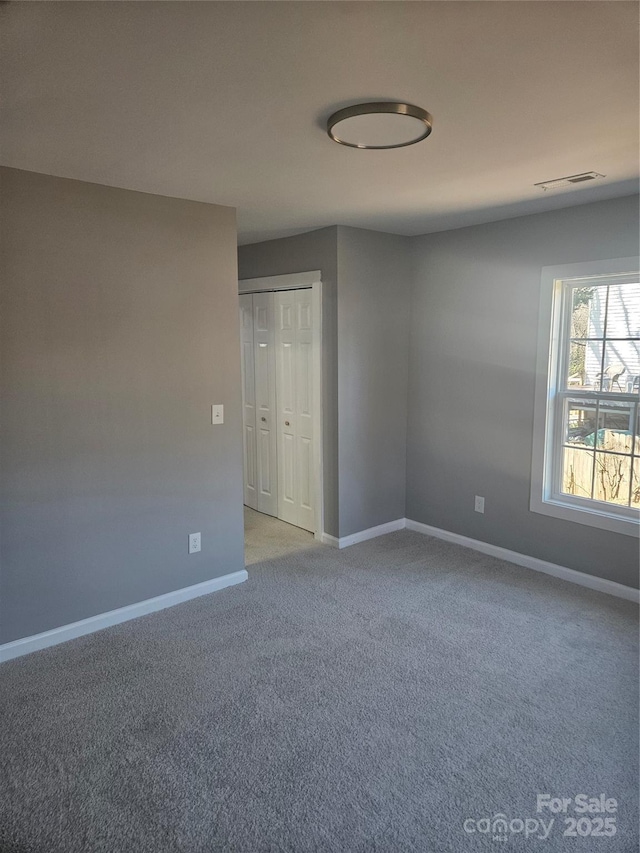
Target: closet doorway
281, 340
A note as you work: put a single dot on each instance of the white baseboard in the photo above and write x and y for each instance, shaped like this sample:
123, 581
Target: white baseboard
34, 643
26, 645
363, 535
372, 532
562, 572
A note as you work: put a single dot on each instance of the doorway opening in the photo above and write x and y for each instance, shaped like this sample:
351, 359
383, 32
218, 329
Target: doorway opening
281, 343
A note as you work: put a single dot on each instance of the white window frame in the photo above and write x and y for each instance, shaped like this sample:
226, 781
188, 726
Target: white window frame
547, 424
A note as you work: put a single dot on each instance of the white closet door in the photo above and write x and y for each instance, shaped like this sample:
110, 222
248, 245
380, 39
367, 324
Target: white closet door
304, 410
293, 338
265, 390
248, 401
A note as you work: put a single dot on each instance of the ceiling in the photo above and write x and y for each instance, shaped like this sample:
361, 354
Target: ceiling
226, 102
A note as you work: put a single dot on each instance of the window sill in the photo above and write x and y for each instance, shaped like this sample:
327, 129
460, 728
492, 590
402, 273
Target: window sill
566, 511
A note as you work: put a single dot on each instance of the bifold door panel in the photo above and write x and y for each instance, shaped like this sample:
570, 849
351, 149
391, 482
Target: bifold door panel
294, 386
279, 421
248, 401
265, 381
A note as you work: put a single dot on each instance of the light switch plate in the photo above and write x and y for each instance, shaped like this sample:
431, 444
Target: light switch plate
217, 413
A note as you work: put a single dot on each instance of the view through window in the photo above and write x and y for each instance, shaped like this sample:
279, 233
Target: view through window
597, 401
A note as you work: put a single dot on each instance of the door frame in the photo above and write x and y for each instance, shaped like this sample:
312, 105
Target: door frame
311, 280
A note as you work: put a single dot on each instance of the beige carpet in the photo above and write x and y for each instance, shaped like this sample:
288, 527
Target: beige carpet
267, 538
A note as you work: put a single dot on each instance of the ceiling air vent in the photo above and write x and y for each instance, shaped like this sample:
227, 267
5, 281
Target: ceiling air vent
558, 183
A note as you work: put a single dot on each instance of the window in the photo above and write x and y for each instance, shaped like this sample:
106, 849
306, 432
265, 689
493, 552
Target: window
586, 460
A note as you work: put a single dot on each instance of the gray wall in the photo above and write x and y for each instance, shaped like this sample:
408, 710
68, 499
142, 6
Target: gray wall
373, 317
315, 250
365, 352
471, 380
118, 331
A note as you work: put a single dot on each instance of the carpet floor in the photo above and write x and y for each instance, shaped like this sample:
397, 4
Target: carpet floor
369, 700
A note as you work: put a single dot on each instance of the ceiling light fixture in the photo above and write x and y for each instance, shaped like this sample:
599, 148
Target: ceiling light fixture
380, 124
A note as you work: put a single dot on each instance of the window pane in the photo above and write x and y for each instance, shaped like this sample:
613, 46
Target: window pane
587, 312
577, 472
621, 366
580, 423
576, 375
635, 488
585, 364
612, 478
623, 314
615, 428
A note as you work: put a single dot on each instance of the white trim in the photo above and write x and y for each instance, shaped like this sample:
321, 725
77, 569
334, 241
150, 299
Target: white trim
26, 645
280, 282
372, 532
363, 535
562, 572
318, 394
542, 498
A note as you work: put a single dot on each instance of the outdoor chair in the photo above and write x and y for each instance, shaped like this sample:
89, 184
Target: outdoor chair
611, 376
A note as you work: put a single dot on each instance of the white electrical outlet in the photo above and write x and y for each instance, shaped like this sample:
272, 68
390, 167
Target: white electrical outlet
479, 505
195, 543
217, 414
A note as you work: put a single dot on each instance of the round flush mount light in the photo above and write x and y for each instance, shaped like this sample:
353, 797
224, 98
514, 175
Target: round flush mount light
380, 124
